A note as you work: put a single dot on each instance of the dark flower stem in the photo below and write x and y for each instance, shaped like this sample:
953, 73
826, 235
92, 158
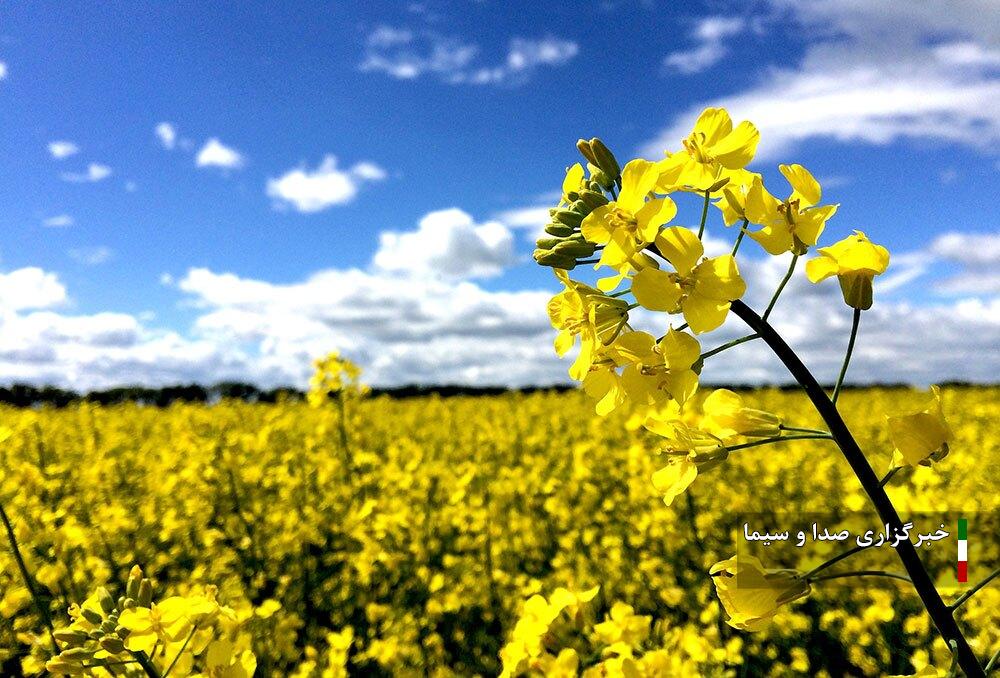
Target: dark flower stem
939, 613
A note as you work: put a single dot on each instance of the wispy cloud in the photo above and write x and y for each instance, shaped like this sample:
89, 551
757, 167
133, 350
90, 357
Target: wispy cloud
58, 221
167, 134
91, 256
860, 82
3, 70
710, 34
315, 190
406, 54
62, 149
95, 172
215, 154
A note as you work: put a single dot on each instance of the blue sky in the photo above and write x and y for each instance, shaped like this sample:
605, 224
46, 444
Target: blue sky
196, 192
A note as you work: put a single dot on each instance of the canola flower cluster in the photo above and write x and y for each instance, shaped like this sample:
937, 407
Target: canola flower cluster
455, 520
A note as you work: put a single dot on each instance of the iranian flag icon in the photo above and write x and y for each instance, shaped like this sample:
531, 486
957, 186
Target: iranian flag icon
963, 550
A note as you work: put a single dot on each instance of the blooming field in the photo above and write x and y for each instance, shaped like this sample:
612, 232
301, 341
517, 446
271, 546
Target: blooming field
410, 536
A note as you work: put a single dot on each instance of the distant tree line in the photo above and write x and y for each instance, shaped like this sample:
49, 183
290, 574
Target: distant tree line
26, 395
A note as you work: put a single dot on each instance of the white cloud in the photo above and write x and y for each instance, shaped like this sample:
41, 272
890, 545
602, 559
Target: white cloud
30, 287
95, 172
874, 73
315, 190
215, 154
58, 221
978, 258
531, 219
3, 70
448, 244
404, 54
91, 256
62, 149
710, 33
167, 134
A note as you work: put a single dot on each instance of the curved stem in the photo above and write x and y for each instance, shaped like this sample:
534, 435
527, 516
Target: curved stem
708, 456
43, 611
739, 238
971, 592
832, 561
847, 356
728, 345
797, 429
936, 608
781, 286
863, 573
146, 664
704, 216
993, 661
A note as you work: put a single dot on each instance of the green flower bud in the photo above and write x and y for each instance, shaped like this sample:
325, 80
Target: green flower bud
59, 667
71, 637
547, 243
76, 653
92, 616
586, 151
605, 158
569, 218
559, 230
718, 184
105, 599
112, 645
134, 579
145, 597
606, 182
593, 199
555, 259
122, 632
577, 250
580, 207
108, 626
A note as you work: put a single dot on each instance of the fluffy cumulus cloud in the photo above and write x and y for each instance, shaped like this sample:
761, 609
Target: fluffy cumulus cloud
447, 243
709, 35
433, 323
874, 72
314, 190
977, 256
62, 149
406, 54
95, 172
216, 154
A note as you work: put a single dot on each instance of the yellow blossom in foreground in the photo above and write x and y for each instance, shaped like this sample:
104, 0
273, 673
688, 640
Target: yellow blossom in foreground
700, 289
628, 224
751, 594
921, 437
623, 625
726, 415
712, 151
855, 261
792, 225
580, 310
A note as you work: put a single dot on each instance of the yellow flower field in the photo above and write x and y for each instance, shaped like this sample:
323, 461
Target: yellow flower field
410, 537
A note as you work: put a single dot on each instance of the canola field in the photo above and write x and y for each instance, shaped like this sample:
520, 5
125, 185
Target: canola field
446, 537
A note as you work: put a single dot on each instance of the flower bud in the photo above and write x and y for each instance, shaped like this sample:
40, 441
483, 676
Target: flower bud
134, 578
605, 158
112, 644
555, 259
568, 218
547, 243
106, 601
580, 207
108, 626
605, 182
559, 230
577, 250
145, 597
92, 616
76, 653
718, 184
71, 637
593, 199
60, 667
586, 151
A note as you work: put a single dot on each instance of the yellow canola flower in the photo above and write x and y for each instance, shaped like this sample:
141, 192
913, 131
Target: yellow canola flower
623, 625
926, 672
921, 437
791, 225
855, 261
733, 202
573, 182
751, 594
166, 621
712, 152
629, 223
726, 415
700, 289
580, 310
654, 371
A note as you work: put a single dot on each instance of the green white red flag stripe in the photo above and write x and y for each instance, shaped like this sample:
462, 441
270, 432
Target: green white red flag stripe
963, 550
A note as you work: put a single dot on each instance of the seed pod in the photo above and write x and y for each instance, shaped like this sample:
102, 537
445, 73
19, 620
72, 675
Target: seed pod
593, 199
105, 599
91, 616
559, 230
145, 597
112, 644
586, 151
605, 158
567, 217
718, 184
